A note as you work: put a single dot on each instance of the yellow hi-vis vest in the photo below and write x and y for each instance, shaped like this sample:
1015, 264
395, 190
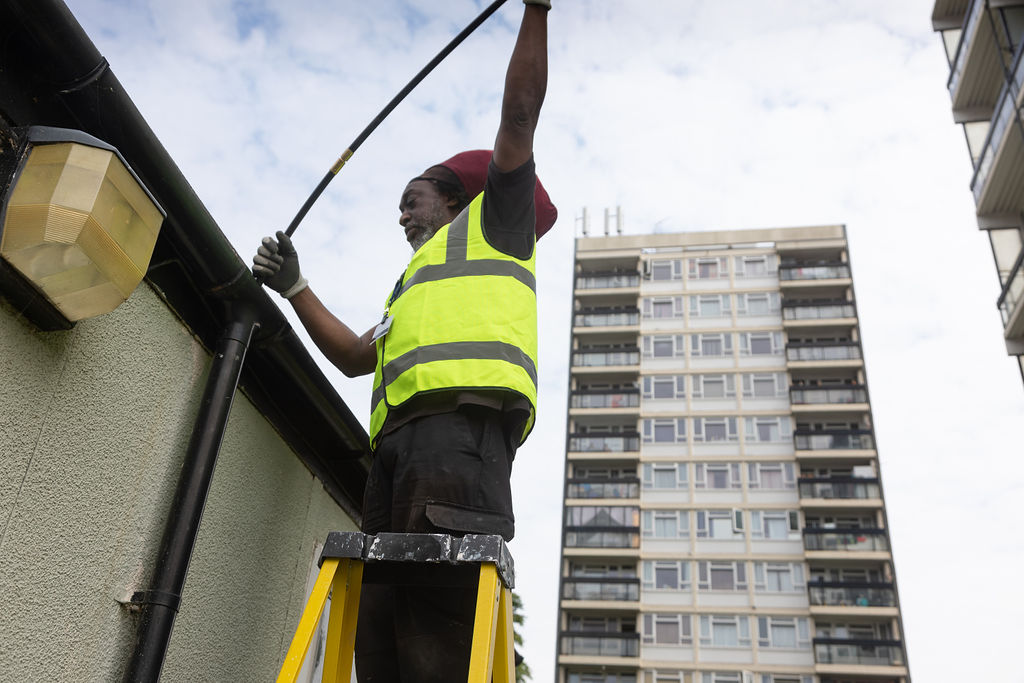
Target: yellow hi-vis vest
463, 317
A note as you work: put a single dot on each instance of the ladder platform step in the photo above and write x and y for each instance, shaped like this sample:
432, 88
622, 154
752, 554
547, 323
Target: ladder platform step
399, 558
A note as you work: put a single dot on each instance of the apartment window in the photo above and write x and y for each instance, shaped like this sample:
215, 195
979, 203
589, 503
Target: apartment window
715, 429
669, 269
664, 430
768, 429
667, 476
599, 677
666, 575
760, 265
667, 629
662, 307
722, 576
668, 677
709, 305
664, 386
771, 475
727, 524
711, 345
602, 515
757, 303
663, 346
779, 577
710, 268
714, 386
783, 632
764, 385
666, 524
760, 343
724, 630
717, 475
774, 524
602, 570
721, 677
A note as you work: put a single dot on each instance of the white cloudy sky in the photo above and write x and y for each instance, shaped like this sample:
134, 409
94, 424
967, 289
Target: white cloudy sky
691, 115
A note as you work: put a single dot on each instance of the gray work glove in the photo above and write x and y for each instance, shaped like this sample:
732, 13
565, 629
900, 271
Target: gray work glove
277, 264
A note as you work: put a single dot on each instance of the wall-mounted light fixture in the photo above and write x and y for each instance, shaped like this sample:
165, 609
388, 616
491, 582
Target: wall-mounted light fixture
76, 222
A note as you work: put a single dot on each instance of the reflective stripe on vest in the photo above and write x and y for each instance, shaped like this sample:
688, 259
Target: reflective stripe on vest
486, 302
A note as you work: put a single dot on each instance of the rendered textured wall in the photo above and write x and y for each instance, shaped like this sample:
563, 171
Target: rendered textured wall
93, 430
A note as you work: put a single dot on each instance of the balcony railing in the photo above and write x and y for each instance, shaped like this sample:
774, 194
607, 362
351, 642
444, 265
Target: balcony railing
594, 358
851, 594
844, 488
824, 271
822, 351
602, 677
861, 652
818, 310
623, 398
604, 443
608, 488
600, 644
606, 317
804, 395
620, 589
977, 7
833, 439
602, 537
608, 279
848, 539
1013, 290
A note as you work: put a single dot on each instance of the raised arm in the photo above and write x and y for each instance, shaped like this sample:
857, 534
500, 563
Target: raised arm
525, 84
278, 265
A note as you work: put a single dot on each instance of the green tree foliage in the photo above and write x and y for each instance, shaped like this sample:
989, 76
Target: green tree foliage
523, 672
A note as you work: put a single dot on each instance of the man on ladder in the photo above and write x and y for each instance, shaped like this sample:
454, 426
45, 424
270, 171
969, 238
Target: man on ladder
455, 363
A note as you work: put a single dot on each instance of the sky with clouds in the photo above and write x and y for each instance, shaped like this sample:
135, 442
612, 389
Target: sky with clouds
697, 115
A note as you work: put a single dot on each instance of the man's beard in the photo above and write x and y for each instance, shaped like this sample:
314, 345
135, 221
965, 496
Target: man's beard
429, 227
422, 237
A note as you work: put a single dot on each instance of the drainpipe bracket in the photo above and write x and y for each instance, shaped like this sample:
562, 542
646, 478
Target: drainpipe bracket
154, 597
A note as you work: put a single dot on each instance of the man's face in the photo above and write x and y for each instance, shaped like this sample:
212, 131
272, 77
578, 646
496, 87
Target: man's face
424, 210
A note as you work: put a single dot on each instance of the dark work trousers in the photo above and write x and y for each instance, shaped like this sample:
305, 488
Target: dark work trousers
446, 473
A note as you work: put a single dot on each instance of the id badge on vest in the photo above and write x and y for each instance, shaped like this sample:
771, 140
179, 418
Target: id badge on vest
382, 328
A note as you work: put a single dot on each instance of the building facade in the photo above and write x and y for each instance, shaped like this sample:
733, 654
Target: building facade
983, 39
723, 518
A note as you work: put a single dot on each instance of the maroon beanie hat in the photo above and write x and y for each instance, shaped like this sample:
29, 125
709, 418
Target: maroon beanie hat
471, 170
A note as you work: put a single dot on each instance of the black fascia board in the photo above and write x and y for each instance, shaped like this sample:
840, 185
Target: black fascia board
51, 74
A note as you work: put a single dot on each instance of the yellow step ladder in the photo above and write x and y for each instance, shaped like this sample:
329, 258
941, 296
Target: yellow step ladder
417, 559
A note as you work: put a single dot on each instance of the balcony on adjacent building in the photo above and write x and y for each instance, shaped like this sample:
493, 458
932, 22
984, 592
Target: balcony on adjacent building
833, 439
608, 279
600, 676
851, 594
977, 69
826, 394
822, 351
840, 488
848, 539
619, 589
602, 537
605, 398
1010, 302
1000, 160
790, 272
606, 356
602, 488
607, 316
817, 309
617, 442
599, 644
858, 652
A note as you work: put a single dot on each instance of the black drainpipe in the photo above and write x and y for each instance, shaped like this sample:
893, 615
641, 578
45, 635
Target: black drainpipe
159, 604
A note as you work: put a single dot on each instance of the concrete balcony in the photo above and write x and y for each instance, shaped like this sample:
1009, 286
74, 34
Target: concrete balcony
839, 492
818, 313
838, 398
977, 71
823, 355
